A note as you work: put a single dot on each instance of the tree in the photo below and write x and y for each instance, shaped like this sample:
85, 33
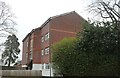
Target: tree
107, 9
7, 23
95, 52
105, 38
6, 19
63, 56
11, 51
100, 43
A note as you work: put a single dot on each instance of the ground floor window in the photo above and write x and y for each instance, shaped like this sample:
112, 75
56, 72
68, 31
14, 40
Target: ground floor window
47, 66
42, 66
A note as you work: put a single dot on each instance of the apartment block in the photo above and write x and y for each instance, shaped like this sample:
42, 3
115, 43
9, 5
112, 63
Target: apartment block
37, 44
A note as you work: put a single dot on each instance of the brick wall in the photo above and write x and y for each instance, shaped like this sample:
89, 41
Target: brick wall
65, 26
58, 27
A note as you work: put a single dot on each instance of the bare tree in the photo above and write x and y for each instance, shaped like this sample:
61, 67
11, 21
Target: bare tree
6, 20
107, 9
6, 23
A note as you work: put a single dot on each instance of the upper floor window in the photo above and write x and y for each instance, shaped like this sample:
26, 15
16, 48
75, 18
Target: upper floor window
42, 39
46, 36
26, 55
47, 50
42, 52
30, 55
31, 44
27, 44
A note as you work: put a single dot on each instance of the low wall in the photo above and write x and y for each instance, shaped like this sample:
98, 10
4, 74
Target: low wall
20, 73
12, 68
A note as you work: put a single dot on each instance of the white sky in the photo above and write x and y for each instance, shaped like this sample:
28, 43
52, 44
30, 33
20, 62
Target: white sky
33, 13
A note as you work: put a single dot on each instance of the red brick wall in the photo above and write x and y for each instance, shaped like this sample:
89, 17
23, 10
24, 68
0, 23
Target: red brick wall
45, 44
25, 50
65, 26
58, 28
37, 47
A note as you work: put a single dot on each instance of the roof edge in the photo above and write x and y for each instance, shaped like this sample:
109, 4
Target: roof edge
48, 20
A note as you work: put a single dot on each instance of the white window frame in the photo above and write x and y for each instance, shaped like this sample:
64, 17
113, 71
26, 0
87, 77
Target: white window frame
27, 55
42, 52
46, 36
31, 55
46, 50
42, 66
42, 39
47, 66
27, 43
31, 44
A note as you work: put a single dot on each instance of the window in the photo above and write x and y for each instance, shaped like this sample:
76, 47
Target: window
42, 52
47, 66
42, 66
26, 55
27, 44
31, 44
47, 51
42, 39
47, 36
30, 54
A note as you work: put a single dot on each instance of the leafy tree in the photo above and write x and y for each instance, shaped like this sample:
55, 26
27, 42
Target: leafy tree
11, 51
63, 56
105, 39
94, 53
96, 50
100, 43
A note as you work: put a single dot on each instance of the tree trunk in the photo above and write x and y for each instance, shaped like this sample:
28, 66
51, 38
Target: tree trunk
9, 63
9, 60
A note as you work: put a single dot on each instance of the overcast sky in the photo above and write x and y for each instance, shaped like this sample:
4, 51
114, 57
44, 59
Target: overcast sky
31, 14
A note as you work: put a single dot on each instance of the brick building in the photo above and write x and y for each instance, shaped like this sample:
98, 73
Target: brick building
36, 45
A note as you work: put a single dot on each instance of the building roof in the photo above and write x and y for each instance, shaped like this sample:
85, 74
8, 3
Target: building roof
49, 19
